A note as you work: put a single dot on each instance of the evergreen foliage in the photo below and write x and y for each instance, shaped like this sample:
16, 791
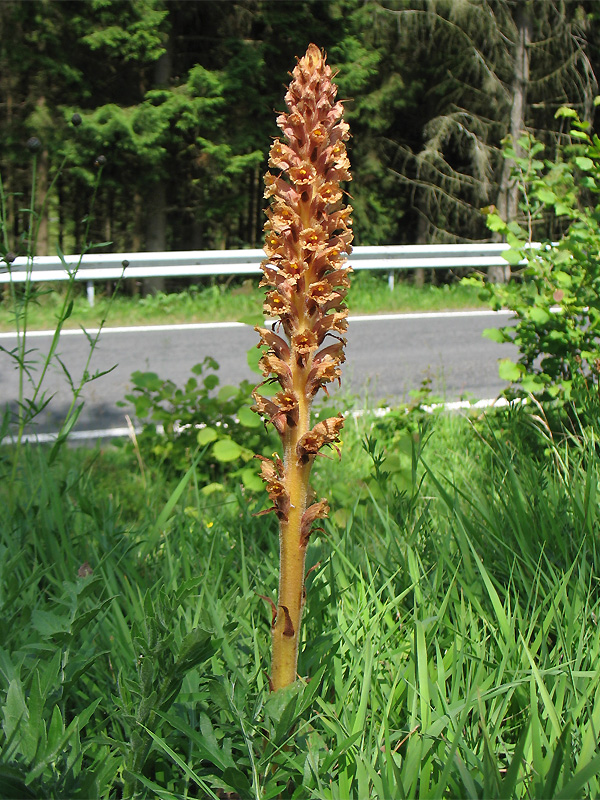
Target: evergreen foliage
179, 98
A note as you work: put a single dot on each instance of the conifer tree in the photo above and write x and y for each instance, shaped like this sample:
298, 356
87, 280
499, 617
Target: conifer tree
492, 69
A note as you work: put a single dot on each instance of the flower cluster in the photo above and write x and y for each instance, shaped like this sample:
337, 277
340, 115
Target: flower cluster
307, 240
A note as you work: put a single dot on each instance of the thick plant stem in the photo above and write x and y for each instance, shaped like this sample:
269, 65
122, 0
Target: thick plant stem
292, 559
308, 237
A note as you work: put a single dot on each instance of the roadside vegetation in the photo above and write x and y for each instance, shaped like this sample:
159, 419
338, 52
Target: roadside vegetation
451, 639
234, 300
453, 621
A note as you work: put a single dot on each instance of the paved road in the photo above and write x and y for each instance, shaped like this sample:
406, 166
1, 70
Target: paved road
387, 356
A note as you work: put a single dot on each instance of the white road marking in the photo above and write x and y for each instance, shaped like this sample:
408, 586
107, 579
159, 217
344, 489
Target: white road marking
194, 326
486, 312
134, 329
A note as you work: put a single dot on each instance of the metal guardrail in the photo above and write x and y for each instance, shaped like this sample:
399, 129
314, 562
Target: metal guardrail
196, 263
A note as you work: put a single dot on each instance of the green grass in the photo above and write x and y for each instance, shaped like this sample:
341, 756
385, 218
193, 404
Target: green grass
451, 633
234, 300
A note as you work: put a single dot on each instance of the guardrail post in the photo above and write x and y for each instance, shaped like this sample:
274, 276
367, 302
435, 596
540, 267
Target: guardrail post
391, 280
90, 292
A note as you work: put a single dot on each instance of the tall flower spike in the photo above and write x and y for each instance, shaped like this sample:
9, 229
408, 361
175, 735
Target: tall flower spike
307, 239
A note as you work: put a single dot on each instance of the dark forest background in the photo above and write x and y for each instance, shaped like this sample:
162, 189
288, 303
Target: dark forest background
179, 97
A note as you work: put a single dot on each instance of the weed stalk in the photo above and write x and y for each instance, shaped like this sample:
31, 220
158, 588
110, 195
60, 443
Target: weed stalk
307, 239
31, 375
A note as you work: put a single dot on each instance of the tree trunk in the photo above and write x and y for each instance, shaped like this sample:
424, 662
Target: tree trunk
156, 234
508, 192
156, 209
41, 243
419, 274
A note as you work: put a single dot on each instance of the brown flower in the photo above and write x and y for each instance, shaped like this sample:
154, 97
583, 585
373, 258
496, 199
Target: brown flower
282, 156
274, 342
325, 432
272, 473
318, 510
304, 343
303, 174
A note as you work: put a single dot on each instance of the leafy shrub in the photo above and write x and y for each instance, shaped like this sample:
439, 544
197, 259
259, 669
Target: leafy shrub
202, 423
555, 294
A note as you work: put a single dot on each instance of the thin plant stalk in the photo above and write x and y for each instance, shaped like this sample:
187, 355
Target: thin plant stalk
308, 236
22, 331
21, 308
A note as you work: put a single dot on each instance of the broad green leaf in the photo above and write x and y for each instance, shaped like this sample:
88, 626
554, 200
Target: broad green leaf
545, 195
212, 488
56, 728
532, 383
211, 382
238, 781
508, 370
513, 257
216, 754
206, 436
47, 623
85, 617
495, 223
198, 646
562, 208
517, 230
147, 380
538, 315
226, 392
590, 355
226, 450
15, 709
253, 356
561, 256
251, 480
515, 242
563, 279
585, 163
495, 334
277, 703
565, 111
248, 418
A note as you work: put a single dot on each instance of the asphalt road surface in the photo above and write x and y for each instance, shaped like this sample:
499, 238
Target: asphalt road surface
387, 356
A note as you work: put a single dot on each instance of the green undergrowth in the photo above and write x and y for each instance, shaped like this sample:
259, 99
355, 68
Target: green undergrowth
451, 641
230, 301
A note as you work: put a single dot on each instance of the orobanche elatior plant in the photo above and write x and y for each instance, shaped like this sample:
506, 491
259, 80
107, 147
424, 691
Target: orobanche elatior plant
307, 240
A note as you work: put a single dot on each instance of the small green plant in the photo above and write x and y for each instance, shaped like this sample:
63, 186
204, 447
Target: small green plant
200, 422
24, 294
43, 750
163, 659
555, 292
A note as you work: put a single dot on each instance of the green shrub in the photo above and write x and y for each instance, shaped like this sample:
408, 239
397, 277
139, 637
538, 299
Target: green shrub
201, 423
555, 291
